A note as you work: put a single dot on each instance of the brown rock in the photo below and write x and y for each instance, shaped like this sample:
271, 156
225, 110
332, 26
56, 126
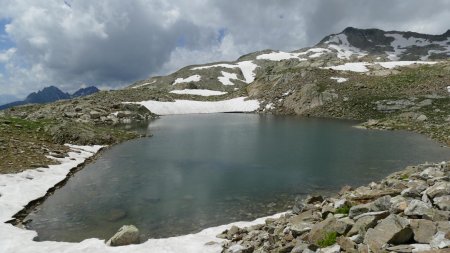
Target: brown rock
392, 230
423, 230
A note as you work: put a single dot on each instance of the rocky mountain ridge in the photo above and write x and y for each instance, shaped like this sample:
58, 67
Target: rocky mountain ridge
51, 94
350, 45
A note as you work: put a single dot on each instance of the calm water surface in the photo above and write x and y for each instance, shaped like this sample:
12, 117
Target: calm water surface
199, 171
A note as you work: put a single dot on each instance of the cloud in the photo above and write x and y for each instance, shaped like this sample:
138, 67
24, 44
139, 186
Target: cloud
111, 43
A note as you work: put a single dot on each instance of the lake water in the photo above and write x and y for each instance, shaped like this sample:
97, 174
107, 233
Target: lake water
199, 171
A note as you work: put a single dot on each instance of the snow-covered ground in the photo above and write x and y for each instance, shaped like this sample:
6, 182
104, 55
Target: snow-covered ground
200, 92
247, 69
339, 79
17, 190
193, 78
279, 56
344, 49
351, 66
190, 106
362, 66
143, 84
226, 78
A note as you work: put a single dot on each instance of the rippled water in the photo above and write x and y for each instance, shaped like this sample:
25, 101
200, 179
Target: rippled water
199, 171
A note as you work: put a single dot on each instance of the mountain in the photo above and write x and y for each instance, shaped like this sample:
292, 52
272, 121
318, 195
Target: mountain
50, 94
85, 91
46, 95
350, 45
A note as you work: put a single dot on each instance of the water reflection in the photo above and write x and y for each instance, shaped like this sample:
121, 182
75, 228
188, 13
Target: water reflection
204, 170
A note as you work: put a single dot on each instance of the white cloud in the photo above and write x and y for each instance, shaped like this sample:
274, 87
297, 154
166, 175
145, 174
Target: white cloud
6, 55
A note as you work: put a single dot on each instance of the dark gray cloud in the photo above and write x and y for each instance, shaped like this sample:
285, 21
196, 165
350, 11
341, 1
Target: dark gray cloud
113, 42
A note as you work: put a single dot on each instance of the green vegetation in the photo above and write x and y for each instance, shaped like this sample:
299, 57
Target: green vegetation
328, 240
343, 210
404, 177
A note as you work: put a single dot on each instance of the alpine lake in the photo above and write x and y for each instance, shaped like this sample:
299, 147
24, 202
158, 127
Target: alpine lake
205, 170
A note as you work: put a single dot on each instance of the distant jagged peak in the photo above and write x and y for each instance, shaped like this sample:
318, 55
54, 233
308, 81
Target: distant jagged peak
395, 45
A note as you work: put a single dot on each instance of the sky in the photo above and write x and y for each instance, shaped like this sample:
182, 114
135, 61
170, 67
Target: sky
112, 43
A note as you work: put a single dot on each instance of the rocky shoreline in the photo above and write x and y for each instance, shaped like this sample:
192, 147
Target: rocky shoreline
408, 211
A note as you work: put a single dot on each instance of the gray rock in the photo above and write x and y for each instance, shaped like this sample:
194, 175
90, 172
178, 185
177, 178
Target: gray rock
320, 229
359, 209
422, 118
331, 249
379, 215
418, 208
392, 230
346, 244
442, 202
401, 248
381, 204
300, 228
95, 115
437, 215
126, 235
440, 240
398, 204
362, 225
423, 230
439, 189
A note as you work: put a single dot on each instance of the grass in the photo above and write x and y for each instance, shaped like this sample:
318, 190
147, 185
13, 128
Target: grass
328, 240
343, 210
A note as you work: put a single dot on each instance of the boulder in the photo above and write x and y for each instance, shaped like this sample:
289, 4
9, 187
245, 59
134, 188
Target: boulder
392, 230
441, 240
422, 118
362, 225
424, 230
346, 244
398, 204
329, 225
126, 235
359, 209
442, 202
381, 204
95, 115
439, 189
418, 208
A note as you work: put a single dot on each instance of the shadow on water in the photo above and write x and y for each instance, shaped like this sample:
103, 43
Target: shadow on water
199, 171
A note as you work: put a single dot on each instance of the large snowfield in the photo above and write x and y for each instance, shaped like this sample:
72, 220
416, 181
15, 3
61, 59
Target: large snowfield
17, 190
189, 106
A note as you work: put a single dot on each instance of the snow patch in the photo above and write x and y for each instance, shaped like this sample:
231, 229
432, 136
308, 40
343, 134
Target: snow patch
269, 106
343, 48
393, 64
194, 78
247, 69
339, 79
448, 88
143, 84
226, 78
400, 44
190, 106
199, 92
362, 66
351, 66
279, 56
221, 65
21, 188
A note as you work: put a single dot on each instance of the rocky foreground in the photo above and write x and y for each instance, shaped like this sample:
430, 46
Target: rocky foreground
408, 211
